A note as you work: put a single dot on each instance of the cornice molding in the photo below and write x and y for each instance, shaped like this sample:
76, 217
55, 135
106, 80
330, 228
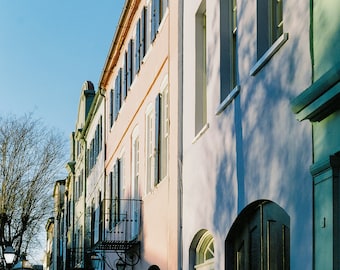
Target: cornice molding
320, 99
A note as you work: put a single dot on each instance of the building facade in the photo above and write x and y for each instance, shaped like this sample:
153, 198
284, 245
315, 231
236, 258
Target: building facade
319, 104
140, 80
247, 200
48, 258
188, 155
55, 227
121, 196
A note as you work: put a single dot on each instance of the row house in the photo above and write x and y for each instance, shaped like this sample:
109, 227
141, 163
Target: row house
55, 230
48, 259
121, 193
140, 81
247, 193
188, 155
319, 104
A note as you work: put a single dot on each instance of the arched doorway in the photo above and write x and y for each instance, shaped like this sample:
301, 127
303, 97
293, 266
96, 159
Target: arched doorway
259, 238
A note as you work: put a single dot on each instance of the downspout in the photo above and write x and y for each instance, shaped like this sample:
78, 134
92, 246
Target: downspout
102, 94
180, 133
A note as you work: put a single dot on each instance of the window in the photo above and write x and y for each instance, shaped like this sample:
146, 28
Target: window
148, 23
154, 18
202, 251
164, 130
270, 36
135, 165
100, 133
93, 222
143, 33
269, 24
158, 8
116, 192
228, 26
259, 238
161, 134
149, 149
95, 147
78, 189
118, 86
117, 96
129, 66
101, 218
124, 72
157, 138
201, 70
141, 44
111, 107
138, 56
135, 184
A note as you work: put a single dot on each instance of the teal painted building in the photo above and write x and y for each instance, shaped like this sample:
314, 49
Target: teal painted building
320, 104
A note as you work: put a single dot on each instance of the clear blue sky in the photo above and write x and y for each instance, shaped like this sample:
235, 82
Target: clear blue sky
48, 48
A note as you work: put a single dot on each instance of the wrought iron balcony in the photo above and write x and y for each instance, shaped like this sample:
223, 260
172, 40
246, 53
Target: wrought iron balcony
122, 225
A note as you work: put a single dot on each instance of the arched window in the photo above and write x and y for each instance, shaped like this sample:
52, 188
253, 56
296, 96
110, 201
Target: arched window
259, 238
202, 251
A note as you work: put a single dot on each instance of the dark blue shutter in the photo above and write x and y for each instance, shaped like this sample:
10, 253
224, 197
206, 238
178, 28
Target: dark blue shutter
119, 187
120, 85
153, 34
111, 108
157, 137
128, 68
143, 31
101, 217
116, 188
155, 18
137, 47
124, 76
132, 73
96, 143
101, 133
117, 97
112, 204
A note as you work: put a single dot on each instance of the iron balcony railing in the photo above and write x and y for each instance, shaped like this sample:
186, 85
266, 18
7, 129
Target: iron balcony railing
122, 219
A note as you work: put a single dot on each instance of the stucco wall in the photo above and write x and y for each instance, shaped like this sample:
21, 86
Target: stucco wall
255, 149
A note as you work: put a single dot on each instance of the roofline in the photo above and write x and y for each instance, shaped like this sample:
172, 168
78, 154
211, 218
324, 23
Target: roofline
129, 9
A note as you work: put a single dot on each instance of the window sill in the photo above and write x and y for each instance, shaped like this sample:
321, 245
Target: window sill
200, 133
146, 56
225, 103
269, 54
161, 25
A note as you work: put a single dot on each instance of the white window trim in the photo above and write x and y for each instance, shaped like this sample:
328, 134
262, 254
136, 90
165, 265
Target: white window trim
232, 95
200, 133
135, 136
165, 122
269, 54
123, 175
161, 25
148, 113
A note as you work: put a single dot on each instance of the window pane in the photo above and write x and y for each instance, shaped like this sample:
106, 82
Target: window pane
200, 74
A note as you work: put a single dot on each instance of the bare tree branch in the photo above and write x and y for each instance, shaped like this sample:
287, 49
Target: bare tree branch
31, 157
